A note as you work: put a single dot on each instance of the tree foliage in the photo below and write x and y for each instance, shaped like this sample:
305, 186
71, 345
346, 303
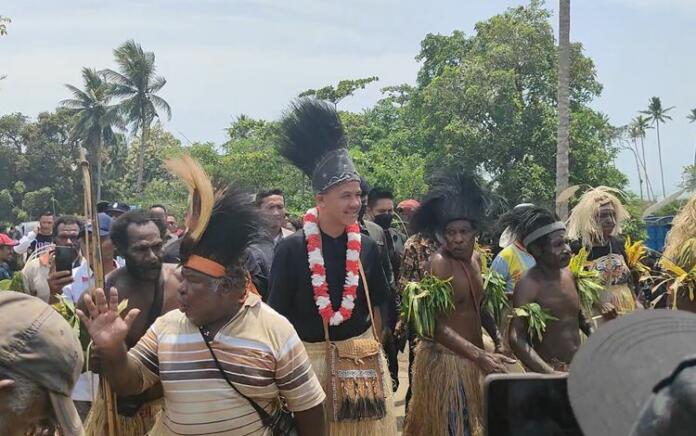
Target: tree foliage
335, 94
488, 102
37, 164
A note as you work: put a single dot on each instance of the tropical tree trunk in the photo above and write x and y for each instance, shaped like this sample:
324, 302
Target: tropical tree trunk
141, 156
98, 159
648, 186
562, 144
659, 152
638, 167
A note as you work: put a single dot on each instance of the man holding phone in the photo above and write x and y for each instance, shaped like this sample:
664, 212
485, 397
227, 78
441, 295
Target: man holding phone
39, 238
40, 275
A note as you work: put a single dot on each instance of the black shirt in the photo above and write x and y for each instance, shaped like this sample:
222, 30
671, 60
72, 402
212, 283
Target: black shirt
615, 245
291, 293
40, 242
259, 257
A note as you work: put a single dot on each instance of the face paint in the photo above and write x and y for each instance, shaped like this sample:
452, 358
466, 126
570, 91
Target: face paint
606, 219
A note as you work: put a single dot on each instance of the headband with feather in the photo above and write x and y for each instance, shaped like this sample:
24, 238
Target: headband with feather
201, 194
219, 226
312, 138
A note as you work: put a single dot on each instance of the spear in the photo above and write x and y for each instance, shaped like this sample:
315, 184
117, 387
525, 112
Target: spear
93, 246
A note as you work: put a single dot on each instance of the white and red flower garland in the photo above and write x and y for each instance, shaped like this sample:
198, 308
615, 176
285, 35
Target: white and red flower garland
318, 270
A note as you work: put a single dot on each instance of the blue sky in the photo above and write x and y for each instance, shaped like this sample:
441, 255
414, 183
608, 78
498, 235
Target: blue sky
223, 58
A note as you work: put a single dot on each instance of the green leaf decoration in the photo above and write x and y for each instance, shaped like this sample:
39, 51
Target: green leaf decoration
495, 300
422, 302
588, 283
536, 319
15, 284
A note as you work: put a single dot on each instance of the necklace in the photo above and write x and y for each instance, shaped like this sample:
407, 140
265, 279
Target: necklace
317, 270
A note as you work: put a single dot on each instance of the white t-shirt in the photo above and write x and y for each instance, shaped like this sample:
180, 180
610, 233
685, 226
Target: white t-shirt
83, 279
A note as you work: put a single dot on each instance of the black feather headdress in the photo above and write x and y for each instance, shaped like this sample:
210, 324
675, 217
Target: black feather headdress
219, 226
233, 224
312, 138
454, 195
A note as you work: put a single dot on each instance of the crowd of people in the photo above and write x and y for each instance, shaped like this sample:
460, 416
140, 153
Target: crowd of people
242, 321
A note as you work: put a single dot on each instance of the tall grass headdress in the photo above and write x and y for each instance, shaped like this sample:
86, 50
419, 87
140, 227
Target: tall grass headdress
583, 223
681, 239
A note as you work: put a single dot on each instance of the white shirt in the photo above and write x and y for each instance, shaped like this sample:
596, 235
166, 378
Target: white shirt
83, 279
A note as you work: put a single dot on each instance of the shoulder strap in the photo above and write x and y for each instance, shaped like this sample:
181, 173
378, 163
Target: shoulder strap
265, 416
367, 298
369, 309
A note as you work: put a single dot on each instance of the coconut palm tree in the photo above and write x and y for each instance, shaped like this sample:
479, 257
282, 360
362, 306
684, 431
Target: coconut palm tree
633, 148
692, 117
638, 129
95, 117
137, 84
562, 144
657, 114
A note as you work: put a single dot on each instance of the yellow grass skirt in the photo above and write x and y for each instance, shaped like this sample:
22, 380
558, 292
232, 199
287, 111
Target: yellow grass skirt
439, 379
137, 425
382, 427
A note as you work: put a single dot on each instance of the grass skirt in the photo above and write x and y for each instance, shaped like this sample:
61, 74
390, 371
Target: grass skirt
137, 425
444, 387
383, 427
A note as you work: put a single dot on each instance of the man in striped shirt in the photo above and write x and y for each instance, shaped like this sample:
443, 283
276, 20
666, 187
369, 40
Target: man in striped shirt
224, 351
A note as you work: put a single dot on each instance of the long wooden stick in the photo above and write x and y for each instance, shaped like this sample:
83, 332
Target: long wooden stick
93, 245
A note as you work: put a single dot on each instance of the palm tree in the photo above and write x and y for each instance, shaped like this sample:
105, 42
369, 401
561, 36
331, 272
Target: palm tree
562, 145
638, 129
692, 117
657, 114
138, 85
633, 148
96, 118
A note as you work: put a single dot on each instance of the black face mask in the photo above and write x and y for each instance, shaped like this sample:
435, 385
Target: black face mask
384, 220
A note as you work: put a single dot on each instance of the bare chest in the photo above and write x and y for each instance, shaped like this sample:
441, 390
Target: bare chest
467, 286
559, 298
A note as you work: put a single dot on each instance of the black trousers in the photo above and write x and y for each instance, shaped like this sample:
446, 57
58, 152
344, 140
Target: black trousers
391, 352
411, 357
